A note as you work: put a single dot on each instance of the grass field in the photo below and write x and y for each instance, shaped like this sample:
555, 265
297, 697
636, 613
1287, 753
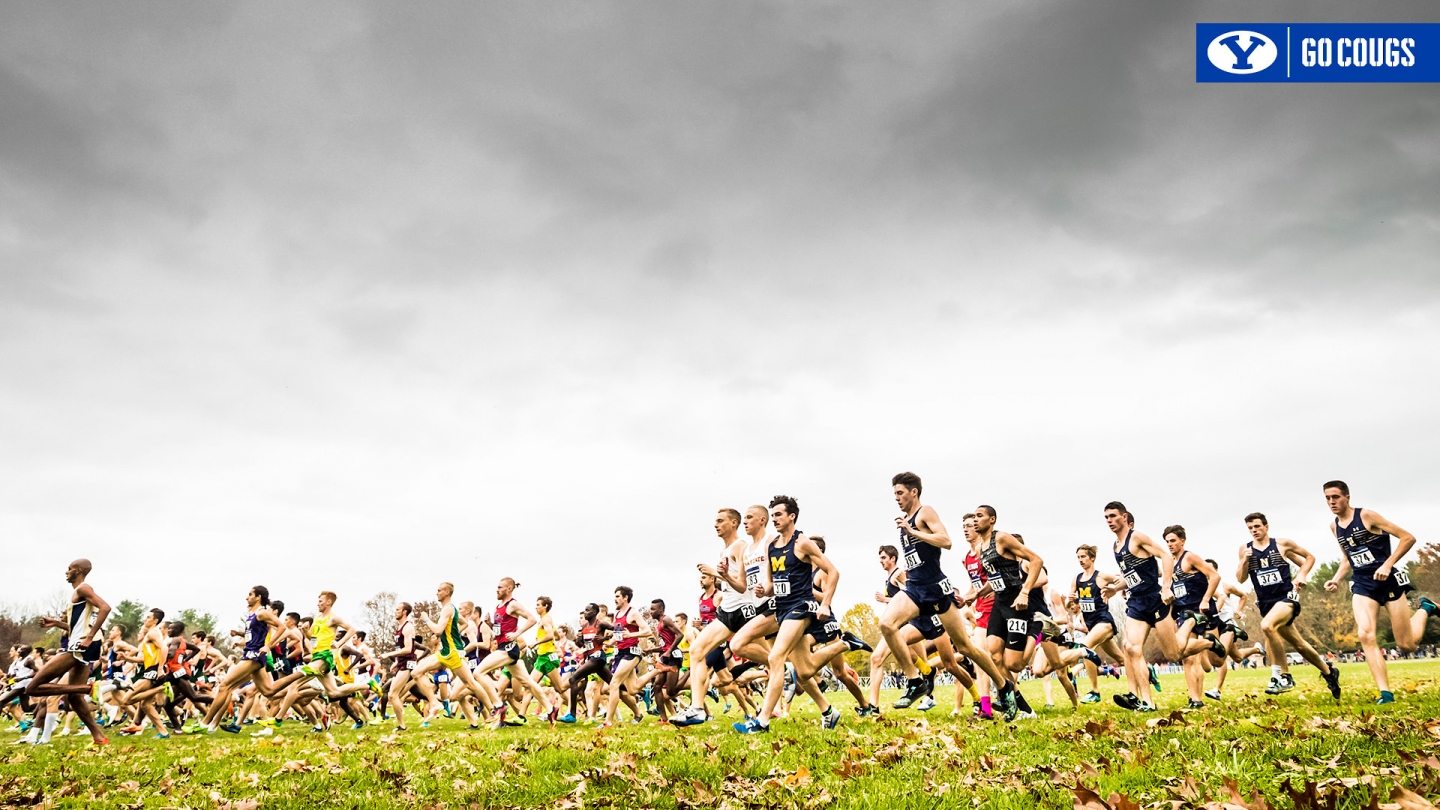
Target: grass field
1301, 749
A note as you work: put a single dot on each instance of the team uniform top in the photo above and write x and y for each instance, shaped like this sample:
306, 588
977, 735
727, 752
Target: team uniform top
976, 571
82, 615
592, 641
1006, 577
1367, 551
544, 645
1270, 574
1093, 608
755, 562
890, 587
925, 584
256, 633
707, 609
1142, 584
1188, 588
407, 660
1003, 574
451, 640
794, 581
667, 637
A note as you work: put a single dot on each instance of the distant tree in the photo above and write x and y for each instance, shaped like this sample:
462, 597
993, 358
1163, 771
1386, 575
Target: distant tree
1424, 572
379, 620
195, 620
128, 616
1327, 619
862, 621
10, 632
427, 608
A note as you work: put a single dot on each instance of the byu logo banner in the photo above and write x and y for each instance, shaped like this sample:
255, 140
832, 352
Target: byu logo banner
1317, 52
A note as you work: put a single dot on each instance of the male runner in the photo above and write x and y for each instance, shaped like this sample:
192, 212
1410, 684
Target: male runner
1193, 582
1266, 561
508, 653
1229, 602
1148, 569
790, 578
261, 625
629, 627
404, 658
928, 593
1012, 574
87, 615
1364, 537
447, 657
322, 666
1086, 598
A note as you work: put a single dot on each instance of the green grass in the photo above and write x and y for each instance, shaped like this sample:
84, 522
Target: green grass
1271, 746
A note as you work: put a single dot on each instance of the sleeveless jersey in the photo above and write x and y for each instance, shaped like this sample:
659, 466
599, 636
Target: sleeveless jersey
505, 624
976, 572
731, 600
176, 662
256, 631
666, 636
82, 615
793, 578
755, 561
707, 609
149, 654
543, 643
1366, 550
922, 560
450, 638
323, 634
400, 636
1002, 573
1189, 589
1087, 593
1142, 574
592, 641
1270, 574
624, 623
890, 587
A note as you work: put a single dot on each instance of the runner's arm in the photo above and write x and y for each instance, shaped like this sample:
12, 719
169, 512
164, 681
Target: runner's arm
1293, 552
102, 608
1212, 578
1161, 553
527, 617
1404, 540
930, 519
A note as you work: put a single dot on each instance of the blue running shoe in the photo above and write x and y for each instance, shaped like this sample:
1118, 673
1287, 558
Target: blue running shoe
751, 726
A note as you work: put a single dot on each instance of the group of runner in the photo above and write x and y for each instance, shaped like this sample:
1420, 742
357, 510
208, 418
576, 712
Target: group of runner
764, 623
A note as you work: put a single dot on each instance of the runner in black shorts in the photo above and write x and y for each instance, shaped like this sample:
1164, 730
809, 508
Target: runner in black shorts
1266, 562
86, 616
1378, 580
928, 592
1193, 582
1012, 619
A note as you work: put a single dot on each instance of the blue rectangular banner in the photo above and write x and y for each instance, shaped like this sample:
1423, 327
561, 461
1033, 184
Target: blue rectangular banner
1317, 52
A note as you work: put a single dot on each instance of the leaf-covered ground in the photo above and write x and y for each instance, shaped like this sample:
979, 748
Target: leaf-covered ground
1300, 749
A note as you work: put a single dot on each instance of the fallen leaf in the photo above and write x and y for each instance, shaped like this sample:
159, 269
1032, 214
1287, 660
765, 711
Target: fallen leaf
1407, 800
1087, 799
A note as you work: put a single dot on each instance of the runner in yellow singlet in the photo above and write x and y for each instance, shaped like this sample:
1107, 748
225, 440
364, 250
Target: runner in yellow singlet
449, 653
322, 666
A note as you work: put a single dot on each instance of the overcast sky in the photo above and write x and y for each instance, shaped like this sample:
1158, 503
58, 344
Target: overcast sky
360, 298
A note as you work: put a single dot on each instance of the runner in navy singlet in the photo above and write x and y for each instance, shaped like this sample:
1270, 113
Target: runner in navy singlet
1087, 597
927, 593
1378, 581
1012, 574
1265, 561
1193, 582
1147, 568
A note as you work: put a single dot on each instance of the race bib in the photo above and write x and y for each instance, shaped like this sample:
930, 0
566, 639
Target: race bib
1178, 589
1268, 578
1087, 605
782, 587
1401, 578
934, 622
1361, 556
677, 653
912, 560
1020, 626
752, 578
748, 611
997, 582
1132, 578
946, 587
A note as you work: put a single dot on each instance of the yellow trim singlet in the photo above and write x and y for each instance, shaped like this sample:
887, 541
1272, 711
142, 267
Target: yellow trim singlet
323, 634
544, 645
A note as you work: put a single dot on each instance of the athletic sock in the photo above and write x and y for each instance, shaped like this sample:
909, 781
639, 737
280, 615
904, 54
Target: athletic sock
1275, 671
974, 693
985, 704
1020, 701
51, 720
922, 665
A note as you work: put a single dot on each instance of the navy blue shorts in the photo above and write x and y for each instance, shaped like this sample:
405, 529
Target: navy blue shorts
824, 631
931, 599
1383, 591
715, 659
1151, 610
795, 611
1099, 617
930, 627
1266, 606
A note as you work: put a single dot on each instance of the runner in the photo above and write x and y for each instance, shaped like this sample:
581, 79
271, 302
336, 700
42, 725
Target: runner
629, 628
86, 616
981, 603
1229, 602
789, 577
322, 666
928, 593
147, 681
509, 654
1148, 570
1012, 574
1193, 582
1364, 537
403, 660
261, 626
894, 582
1087, 599
448, 658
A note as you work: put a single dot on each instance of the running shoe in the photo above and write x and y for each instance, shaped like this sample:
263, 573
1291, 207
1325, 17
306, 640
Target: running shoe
1385, 698
1091, 697
1332, 680
867, 711
1155, 679
689, 717
567, 718
1428, 605
854, 642
1009, 707
1127, 701
712, 694
1090, 655
914, 690
357, 725
1145, 706
1024, 715
517, 721
263, 732
162, 736
553, 715
1195, 704
1213, 694
318, 728
829, 720
374, 684
925, 704
1240, 634
1276, 687
751, 726
1048, 628
1217, 648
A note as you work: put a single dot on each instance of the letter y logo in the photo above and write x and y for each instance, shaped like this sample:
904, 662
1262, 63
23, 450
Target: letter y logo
1228, 54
